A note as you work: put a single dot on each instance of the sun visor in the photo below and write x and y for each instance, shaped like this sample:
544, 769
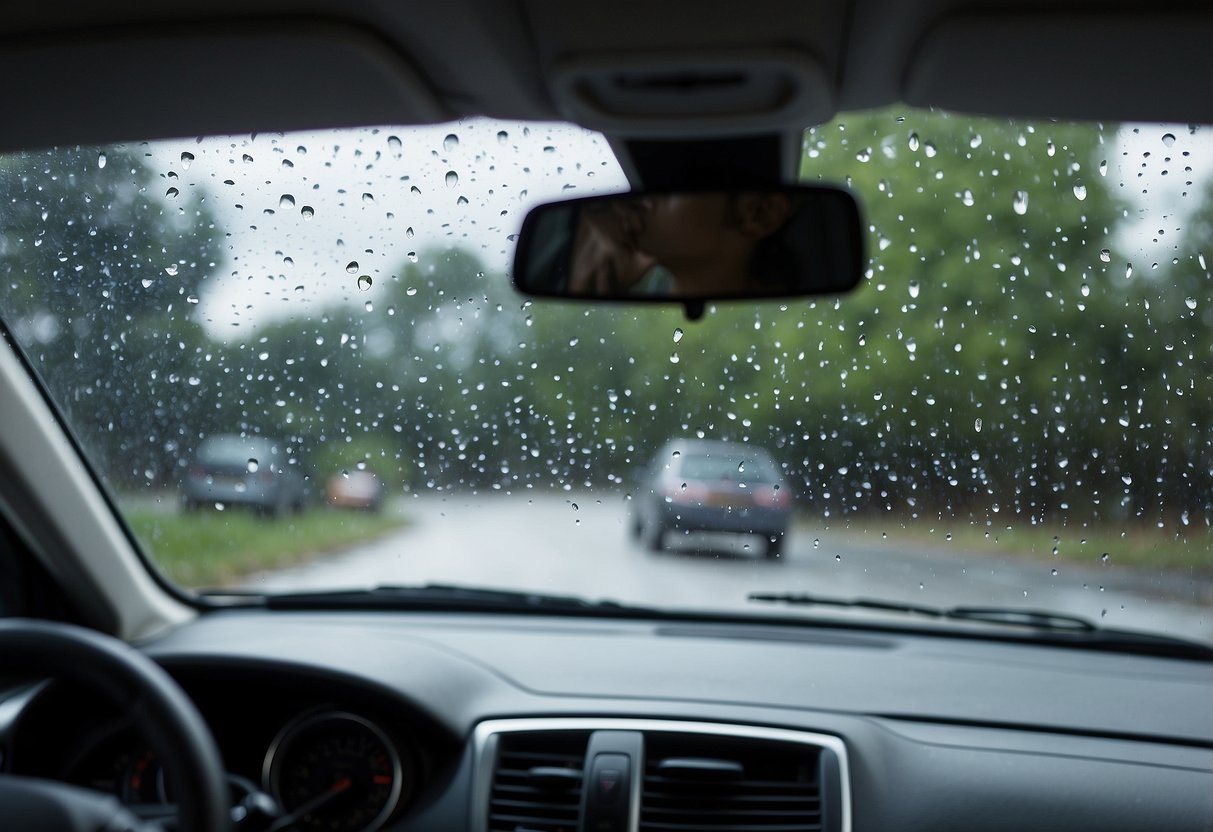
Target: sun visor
195, 80
1098, 65
716, 93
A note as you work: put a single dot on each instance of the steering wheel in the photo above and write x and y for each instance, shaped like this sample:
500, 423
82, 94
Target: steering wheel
139, 687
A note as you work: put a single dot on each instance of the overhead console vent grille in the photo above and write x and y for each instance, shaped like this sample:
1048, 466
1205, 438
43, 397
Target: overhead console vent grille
537, 781
706, 783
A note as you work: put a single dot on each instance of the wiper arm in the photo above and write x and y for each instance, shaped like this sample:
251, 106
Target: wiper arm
448, 598
1039, 619
1058, 628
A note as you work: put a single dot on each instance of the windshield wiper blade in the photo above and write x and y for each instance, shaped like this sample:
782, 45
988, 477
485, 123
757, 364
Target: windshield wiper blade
1039, 619
1057, 628
446, 597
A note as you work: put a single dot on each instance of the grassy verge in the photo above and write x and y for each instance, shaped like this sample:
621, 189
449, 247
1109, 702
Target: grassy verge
214, 548
1138, 546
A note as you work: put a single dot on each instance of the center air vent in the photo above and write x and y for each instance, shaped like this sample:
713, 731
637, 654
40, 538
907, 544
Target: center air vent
537, 784
729, 784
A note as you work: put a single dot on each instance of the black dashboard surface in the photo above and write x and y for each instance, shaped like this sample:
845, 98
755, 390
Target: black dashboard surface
940, 733
464, 668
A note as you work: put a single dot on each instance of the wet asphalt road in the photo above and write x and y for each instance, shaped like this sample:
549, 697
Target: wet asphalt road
579, 544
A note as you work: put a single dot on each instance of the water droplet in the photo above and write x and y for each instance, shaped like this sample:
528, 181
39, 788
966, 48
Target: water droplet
1168, 139
463, 200
913, 141
452, 179
674, 359
1020, 204
929, 149
193, 381
1127, 479
913, 289
966, 198
408, 232
502, 137
352, 267
252, 466
677, 334
286, 202
171, 193
1128, 270
1085, 290
364, 282
368, 198
171, 269
307, 212
1190, 303
1080, 190
450, 142
191, 299
246, 158
147, 282
1103, 168
838, 558
393, 145
411, 291
101, 160
412, 255
816, 543
369, 307
1053, 572
1105, 256
187, 159
1104, 557
299, 290
977, 424
1050, 149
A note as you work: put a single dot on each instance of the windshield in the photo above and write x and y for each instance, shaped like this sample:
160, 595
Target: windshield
296, 363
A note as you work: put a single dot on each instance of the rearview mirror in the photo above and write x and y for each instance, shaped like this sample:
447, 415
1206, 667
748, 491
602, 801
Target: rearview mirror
693, 246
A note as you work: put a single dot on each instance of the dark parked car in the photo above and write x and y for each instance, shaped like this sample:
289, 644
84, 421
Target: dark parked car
245, 470
695, 485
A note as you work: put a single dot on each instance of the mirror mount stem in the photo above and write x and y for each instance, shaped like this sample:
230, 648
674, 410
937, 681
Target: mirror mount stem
694, 309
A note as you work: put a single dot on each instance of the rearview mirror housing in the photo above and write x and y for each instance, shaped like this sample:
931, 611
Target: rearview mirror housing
691, 247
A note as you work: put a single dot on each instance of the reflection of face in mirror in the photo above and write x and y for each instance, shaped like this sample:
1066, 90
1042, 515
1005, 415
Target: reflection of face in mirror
684, 245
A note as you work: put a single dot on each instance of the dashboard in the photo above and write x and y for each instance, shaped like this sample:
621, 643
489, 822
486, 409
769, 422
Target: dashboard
366, 721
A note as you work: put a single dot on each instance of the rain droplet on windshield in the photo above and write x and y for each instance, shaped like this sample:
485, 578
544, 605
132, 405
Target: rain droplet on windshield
252, 466
393, 144
677, 334
502, 137
1190, 303
187, 159
977, 424
307, 212
452, 179
171, 193
352, 267
1080, 190
450, 142
913, 141
1168, 139
1020, 204
286, 202
364, 282
913, 288
101, 160
368, 198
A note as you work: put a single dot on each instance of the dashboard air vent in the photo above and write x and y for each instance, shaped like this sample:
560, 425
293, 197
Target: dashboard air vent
704, 783
537, 782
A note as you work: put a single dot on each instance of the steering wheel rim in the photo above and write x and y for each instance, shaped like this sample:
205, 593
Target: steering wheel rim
127, 678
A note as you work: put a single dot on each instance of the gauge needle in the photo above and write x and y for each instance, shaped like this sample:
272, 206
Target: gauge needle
313, 804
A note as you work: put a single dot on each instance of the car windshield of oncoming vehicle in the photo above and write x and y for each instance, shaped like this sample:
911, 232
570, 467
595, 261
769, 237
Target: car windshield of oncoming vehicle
1012, 410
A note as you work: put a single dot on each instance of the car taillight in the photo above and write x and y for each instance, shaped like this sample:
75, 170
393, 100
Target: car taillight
772, 496
687, 492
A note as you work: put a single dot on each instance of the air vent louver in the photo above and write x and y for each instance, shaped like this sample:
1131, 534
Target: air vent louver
697, 783
537, 783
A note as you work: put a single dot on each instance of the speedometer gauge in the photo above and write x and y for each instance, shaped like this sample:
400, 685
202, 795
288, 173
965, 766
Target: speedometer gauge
334, 772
